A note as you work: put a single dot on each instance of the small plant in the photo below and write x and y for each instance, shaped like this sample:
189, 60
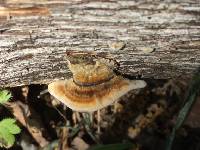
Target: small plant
4, 96
8, 127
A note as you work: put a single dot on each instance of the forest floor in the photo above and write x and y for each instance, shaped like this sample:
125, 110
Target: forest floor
144, 118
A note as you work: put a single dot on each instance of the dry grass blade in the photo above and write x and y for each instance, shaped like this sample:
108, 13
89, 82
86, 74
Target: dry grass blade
189, 101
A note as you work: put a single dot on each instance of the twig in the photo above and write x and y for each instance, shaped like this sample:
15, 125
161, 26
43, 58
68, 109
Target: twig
34, 125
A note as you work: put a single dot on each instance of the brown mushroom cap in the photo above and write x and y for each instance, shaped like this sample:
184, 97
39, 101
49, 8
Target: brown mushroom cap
94, 84
93, 97
97, 72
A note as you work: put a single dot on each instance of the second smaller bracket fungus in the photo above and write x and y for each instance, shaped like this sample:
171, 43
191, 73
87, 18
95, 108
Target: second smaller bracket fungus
94, 84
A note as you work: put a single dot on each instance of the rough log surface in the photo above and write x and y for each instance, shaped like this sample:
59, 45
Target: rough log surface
34, 37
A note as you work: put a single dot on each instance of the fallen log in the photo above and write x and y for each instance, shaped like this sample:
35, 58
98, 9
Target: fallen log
157, 40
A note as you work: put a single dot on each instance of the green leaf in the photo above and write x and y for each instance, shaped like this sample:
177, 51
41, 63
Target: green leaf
7, 130
190, 99
4, 96
9, 138
118, 146
10, 125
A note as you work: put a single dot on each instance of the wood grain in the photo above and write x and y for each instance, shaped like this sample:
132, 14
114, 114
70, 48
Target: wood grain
33, 45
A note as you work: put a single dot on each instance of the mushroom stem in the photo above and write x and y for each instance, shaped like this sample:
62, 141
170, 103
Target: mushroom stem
98, 121
91, 117
74, 118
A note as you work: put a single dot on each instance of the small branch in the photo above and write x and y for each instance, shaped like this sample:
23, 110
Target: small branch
35, 127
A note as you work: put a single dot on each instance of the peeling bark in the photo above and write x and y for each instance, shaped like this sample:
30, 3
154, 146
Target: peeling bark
162, 38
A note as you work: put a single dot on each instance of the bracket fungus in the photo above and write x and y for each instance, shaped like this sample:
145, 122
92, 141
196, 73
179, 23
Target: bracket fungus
93, 86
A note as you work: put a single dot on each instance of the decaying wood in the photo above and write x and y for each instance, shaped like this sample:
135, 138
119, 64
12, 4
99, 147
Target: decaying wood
161, 38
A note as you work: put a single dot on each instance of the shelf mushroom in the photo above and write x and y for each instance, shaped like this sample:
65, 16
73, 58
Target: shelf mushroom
93, 86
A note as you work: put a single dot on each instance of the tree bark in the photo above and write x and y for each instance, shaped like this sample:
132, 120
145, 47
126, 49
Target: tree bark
35, 36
